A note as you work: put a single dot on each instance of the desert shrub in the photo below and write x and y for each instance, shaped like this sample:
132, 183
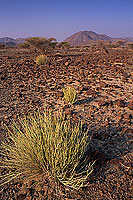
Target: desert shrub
69, 94
41, 44
49, 143
42, 60
24, 45
2, 46
106, 50
130, 45
64, 45
112, 45
121, 42
103, 46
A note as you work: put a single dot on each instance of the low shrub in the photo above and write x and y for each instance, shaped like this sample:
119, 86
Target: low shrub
24, 45
46, 143
2, 46
41, 44
69, 94
130, 45
42, 60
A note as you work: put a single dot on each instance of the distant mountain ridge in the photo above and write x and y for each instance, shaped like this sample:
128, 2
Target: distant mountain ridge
10, 41
85, 37
79, 38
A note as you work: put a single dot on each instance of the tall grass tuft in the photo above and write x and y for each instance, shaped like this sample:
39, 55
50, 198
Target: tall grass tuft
69, 94
46, 143
42, 60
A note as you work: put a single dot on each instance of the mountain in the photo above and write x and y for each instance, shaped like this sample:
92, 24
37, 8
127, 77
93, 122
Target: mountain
10, 41
10, 44
125, 39
20, 40
79, 38
5, 40
86, 37
128, 39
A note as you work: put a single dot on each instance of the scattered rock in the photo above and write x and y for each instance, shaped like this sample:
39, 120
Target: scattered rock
109, 102
118, 118
125, 75
21, 196
130, 105
127, 116
67, 63
68, 111
91, 92
26, 86
59, 94
102, 84
101, 102
120, 103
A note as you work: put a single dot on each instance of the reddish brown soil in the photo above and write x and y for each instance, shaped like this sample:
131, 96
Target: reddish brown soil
104, 103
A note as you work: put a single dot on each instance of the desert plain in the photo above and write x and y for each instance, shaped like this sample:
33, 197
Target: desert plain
103, 82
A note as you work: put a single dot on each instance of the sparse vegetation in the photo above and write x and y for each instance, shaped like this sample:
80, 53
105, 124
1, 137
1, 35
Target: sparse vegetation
25, 84
24, 45
2, 46
121, 42
103, 46
41, 44
64, 45
69, 94
42, 60
46, 143
130, 45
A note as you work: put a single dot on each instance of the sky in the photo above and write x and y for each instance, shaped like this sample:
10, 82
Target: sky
62, 18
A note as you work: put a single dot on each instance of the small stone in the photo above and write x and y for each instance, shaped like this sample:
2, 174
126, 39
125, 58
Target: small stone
114, 161
45, 189
2, 109
6, 117
106, 123
59, 94
19, 95
126, 116
88, 115
124, 129
101, 102
29, 198
120, 103
22, 196
127, 122
103, 84
125, 75
118, 118
68, 111
109, 102
90, 92
130, 105
67, 63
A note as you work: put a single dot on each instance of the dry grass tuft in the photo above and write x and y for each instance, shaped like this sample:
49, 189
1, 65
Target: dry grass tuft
46, 143
69, 94
42, 60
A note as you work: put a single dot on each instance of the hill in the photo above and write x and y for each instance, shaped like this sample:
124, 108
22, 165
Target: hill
10, 41
86, 37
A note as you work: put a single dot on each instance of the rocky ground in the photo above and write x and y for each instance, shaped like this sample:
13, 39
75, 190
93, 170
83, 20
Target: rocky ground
103, 82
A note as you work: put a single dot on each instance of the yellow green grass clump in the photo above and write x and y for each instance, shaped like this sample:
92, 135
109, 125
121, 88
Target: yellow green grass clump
69, 94
42, 60
46, 143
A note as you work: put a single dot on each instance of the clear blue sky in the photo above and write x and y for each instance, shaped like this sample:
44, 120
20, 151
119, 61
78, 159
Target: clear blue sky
61, 18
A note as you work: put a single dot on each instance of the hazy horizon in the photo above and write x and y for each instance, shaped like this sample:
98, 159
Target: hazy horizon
60, 19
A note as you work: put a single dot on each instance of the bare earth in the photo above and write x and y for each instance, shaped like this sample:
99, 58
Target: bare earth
104, 103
